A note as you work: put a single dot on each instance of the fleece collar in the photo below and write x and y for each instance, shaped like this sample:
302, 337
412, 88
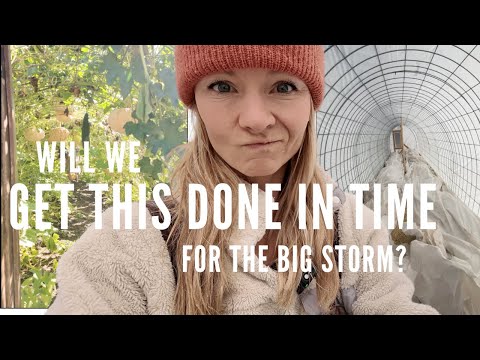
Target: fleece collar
249, 237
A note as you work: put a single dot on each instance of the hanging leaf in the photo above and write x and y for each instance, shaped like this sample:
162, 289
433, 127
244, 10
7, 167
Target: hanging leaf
101, 164
139, 112
167, 76
144, 106
157, 167
51, 244
157, 90
173, 135
142, 129
144, 164
32, 70
31, 235
155, 144
85, 129
113, 68
135, 129
126, 83
137, 69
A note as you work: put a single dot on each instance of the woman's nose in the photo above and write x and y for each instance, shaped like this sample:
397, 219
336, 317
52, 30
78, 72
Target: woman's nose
255, 114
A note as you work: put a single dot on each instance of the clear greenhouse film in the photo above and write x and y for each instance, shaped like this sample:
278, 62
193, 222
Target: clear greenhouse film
433, 90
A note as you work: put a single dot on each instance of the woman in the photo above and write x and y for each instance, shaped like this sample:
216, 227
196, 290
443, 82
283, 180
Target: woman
255, 108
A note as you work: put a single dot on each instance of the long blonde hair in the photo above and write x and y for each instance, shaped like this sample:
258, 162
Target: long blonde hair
202, 292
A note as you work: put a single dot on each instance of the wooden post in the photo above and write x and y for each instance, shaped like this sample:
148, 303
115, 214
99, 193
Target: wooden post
10, 244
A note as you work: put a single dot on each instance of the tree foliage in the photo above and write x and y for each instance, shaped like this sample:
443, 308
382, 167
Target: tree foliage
87, 83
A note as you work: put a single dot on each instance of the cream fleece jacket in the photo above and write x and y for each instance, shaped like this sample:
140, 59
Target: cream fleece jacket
111, 271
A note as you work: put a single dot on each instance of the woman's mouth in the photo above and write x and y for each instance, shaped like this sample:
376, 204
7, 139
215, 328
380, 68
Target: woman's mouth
261, 145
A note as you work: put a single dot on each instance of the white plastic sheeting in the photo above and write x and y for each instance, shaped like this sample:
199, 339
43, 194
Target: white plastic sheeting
444, 263
433, 89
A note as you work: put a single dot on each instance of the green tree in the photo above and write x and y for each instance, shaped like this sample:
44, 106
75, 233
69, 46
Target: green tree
76, 88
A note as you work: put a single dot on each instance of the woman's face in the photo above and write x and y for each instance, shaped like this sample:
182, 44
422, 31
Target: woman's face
255, 118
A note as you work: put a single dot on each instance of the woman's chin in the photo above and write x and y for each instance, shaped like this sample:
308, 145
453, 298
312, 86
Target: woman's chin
260, 172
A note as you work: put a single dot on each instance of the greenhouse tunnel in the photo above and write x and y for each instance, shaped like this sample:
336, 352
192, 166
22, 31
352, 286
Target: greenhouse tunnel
434, 90
434, 93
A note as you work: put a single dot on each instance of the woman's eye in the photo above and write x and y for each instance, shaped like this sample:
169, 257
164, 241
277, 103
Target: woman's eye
221, 87
285, 87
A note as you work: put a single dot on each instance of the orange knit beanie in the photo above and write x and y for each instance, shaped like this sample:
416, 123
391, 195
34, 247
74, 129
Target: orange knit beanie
192, 62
